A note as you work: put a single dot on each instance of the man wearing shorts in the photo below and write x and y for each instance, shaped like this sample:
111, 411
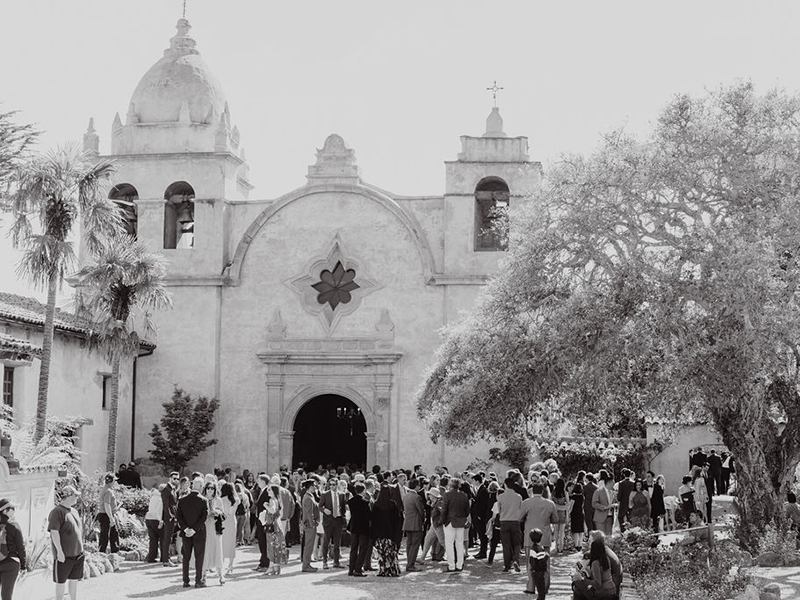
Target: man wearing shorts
64, 525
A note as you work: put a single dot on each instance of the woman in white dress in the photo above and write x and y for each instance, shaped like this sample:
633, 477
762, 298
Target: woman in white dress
230, 502
213, 557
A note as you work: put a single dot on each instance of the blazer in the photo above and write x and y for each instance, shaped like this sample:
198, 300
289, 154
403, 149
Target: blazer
455, 508
360, 515
326, 501
261, 505
538, 512
625, 489
287, 504
480, 508
15, 542
310, 517
601, 504
169, 504
413, 513
192, 512
588, 495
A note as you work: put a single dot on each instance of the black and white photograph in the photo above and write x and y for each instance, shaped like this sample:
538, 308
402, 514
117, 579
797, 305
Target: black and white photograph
433, 300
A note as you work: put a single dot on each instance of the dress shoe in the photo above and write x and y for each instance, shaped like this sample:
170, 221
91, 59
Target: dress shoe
459, 569
411, 569
325, 566
200, 584
358, 574
516, 566
187, 584
368, 569
480, 556
310, 569
338, 567
449, 570
506, 570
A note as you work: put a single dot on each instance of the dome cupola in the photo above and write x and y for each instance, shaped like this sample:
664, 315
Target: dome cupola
180, 80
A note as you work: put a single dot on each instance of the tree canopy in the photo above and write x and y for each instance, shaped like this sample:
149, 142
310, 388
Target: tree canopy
653, 277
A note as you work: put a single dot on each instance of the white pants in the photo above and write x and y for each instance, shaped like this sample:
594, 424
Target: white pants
454, 546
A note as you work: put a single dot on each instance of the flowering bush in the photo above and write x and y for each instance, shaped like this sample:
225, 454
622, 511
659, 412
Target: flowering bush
682, 572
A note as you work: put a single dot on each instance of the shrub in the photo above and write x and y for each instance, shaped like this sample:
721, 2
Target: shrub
682, 572
134, 500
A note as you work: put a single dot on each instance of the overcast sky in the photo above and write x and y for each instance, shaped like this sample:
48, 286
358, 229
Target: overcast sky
399, 81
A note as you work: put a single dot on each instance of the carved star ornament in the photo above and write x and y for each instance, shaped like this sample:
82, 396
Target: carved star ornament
332, 284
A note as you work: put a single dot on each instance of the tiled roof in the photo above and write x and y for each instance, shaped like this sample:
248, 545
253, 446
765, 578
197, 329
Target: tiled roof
22, 309
29, 310
13, 344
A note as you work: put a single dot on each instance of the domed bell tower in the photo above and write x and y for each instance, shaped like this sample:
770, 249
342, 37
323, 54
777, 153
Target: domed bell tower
491, 176
178, 160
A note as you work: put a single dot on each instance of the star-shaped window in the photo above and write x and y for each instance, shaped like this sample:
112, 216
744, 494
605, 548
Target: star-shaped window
335, 286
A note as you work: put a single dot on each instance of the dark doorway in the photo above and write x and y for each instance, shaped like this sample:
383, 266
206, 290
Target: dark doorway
329, 430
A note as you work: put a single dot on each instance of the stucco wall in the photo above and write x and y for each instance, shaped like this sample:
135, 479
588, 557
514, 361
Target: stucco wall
673, 462
76, 389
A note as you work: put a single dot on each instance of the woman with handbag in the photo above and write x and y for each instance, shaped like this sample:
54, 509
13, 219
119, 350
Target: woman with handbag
276, 538
230, 508
215, 524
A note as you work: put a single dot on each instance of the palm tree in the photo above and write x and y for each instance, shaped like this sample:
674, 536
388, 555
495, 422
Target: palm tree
51, 195
116, 292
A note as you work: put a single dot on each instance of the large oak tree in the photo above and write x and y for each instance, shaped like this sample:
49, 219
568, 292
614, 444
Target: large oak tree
656, 276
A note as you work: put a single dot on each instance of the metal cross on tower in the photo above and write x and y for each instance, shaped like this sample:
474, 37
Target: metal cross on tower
184, 9
494, 89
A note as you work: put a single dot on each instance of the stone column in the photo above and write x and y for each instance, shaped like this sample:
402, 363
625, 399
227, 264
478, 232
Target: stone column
286, 445
274, 412
372, 458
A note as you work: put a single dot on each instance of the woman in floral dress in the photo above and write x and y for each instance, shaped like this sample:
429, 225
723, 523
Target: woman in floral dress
385, 523
276, 537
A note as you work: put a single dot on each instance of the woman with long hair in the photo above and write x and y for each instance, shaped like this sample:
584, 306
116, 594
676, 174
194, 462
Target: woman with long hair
599, 584
215, 522
575, 511
639, 506
560, 500
230, 504
657, 508
276, 540
385, 523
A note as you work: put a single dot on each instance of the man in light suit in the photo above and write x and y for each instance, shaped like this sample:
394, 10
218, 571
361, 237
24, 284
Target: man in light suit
455, 513
537, 513
332, 504
413, 523
603, 504
309, 521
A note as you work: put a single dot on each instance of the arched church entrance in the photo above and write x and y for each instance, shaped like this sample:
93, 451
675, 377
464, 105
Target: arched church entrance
329, 430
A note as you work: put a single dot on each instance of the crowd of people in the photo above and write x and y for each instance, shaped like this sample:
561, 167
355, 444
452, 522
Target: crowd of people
364, 521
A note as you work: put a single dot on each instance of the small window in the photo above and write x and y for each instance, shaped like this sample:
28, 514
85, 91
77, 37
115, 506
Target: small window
491, 208
124, 195
8, 386
106, 391
179, 216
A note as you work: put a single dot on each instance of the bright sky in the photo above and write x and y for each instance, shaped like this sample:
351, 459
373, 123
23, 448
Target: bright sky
399, 81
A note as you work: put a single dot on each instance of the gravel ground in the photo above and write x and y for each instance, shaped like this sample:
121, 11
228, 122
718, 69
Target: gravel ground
140, 580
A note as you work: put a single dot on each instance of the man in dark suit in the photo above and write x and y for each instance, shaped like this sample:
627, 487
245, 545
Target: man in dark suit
480, 513
588, 493
413, 524
191, 515
332, 505
727, 469
399, 490
699, 458
359, 530
714, 473
455, 513
262, 481
309, 521
169, 504
624, 491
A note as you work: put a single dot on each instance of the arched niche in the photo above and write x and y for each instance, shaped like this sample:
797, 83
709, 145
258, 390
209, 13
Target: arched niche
179, 216
491, 204
124, 195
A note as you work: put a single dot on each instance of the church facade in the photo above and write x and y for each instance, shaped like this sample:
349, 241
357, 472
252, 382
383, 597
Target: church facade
314, 316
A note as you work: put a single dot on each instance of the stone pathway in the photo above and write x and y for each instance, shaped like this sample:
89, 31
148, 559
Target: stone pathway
140, 580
